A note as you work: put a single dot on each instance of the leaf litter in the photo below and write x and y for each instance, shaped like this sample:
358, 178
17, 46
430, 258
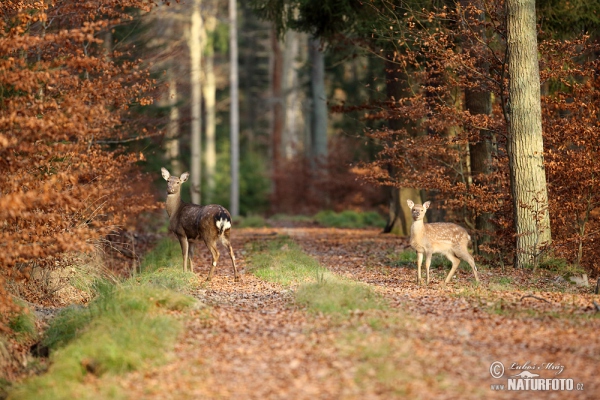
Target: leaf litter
430, 342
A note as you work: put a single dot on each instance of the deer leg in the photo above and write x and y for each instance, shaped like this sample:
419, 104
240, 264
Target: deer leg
212, 246
469, 259
184, 250
455, 261
419, 262
225, 240
427, 265
191, 255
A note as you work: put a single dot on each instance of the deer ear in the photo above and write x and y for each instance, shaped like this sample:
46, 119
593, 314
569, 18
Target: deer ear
184, 177
410, 204
165, 174
426, 205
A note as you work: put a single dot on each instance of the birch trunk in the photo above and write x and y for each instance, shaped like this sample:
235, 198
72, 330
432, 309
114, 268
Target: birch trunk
525, 143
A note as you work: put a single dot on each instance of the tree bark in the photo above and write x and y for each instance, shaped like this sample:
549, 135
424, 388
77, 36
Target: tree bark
172, 134
399, 216
234, 206
278, 115
195, 46
479, 101
210, 99
319, 102
525, 143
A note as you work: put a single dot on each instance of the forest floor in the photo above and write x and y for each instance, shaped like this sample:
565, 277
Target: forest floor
430, 342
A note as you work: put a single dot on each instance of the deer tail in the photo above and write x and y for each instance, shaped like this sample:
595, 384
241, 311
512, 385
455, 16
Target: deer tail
222, 220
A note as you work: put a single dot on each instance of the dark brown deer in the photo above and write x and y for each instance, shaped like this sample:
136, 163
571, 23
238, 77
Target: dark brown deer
191, 223
446, 238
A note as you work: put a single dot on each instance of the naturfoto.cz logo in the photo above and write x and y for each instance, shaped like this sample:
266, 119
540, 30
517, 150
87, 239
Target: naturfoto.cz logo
527, 377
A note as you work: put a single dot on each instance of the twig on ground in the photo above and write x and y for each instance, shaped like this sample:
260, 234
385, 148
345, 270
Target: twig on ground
535, 297
597, 306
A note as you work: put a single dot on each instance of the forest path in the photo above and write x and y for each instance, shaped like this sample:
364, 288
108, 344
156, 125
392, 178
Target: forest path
434, 342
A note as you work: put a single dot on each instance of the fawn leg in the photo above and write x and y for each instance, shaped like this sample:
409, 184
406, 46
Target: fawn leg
427, 265
455, 261
419, 262
469, 259
184, 250
225, 240
212, 246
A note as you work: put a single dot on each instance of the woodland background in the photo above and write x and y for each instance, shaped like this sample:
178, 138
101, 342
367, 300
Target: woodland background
342, 105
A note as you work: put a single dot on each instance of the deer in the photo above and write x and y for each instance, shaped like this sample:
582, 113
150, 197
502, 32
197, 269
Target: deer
192, 223
446, 238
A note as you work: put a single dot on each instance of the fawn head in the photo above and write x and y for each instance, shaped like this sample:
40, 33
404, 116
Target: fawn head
173, 182
418, 211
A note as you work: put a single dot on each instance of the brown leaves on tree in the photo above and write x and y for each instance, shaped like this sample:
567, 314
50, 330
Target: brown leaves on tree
63, 94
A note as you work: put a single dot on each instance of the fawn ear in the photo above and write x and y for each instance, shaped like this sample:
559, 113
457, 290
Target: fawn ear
184, 177
426, 205
165, 174
410, 204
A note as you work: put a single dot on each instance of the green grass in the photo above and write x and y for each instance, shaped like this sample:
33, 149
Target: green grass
282, 261
349, 219
128, 326
166, 254
408, 258
251, 221
338, 296
23, 323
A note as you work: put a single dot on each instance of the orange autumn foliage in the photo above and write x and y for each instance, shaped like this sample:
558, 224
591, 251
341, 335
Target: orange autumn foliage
63, 95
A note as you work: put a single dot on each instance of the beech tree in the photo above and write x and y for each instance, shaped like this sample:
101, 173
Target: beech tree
525, 142
64, 106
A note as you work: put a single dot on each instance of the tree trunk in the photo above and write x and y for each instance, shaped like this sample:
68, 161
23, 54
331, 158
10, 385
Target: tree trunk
319, 102
525, 143
172, 136
234, 206
399, 217
210, 97
293, 133
278, 116
195, 46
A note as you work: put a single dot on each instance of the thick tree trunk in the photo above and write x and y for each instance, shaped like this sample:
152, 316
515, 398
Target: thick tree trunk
195, 46
234, 206
399, 216
210, 98
525, 143
319, 101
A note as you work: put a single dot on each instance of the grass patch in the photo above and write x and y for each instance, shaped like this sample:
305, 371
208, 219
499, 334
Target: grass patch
408, 258
338, 296
166, 254
251, 221
23, 323
128, 326
299, 219
282, 261
349, 219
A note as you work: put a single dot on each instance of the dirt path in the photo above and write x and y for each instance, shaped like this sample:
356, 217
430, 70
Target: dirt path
439, 343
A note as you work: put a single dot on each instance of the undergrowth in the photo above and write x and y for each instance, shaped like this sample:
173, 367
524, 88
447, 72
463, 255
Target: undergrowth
128, 326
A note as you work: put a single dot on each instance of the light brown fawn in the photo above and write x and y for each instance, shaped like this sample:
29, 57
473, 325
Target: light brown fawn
446, 238
191, 222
